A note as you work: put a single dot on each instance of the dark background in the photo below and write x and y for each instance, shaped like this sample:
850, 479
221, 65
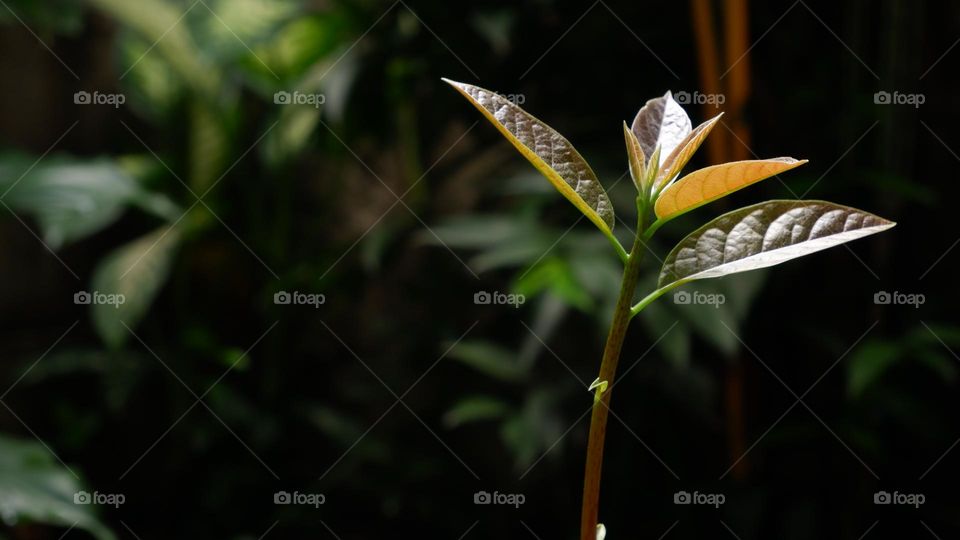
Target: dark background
399, 398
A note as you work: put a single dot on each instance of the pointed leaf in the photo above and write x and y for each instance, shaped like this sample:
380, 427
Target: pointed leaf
547, 150
132, 274
711, 183
763, 235
662, 121
635, 158
678, 158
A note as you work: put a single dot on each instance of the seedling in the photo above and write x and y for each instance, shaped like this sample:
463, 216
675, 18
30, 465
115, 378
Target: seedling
660, 142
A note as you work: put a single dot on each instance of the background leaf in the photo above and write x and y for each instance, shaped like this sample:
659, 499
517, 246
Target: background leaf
137, 271
34, 487
73, 199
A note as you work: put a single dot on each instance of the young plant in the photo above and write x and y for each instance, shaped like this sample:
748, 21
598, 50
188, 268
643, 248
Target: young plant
659, 144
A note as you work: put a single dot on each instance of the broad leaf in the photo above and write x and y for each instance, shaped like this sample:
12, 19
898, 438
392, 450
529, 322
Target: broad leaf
711, 183
547, 150
763, 235
475, 409
661, 122
635, 158
73, 199
678, 158
137, 271
488, 358
34, 488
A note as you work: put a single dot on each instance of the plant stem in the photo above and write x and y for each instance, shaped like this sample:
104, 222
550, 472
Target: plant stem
608, 367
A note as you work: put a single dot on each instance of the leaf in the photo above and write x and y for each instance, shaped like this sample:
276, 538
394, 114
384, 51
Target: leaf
159, 22
868, 364
635, 158
661, 122
72, 199
489, 359
763, 235
34, 487
710, 183
548, 151
137, 271
475, 409
678, 158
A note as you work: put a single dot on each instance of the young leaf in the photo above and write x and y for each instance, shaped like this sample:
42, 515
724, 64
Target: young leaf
635, 158
711, 183
763, 235
680, 155
547, 150
661, 122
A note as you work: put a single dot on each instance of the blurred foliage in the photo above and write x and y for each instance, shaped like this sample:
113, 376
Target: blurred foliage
202, 196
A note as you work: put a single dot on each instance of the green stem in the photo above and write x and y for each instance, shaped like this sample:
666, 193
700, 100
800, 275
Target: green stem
608, 367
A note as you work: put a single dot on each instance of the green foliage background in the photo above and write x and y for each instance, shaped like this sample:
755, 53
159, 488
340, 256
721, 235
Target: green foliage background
398, 398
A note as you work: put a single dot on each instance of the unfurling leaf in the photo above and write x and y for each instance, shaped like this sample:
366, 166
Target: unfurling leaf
635, 158
680, 155
547, 150
661, 122
711, 183
763, 235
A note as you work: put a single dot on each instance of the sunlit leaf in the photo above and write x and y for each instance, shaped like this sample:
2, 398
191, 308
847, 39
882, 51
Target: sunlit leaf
635, 158
661, 122
711, 183
548, 151
763, 235
678, 158
136, 271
